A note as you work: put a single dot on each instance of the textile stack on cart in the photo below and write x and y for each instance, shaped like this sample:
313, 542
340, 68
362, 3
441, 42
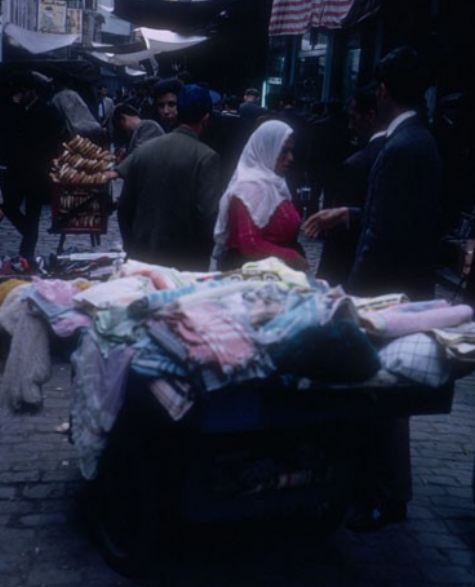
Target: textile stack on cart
191, 334
167, 363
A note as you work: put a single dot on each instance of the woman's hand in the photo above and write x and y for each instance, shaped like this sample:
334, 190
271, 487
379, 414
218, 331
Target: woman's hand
300, 264
325, 220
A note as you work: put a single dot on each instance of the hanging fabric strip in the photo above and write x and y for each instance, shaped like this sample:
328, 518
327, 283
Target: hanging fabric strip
295, 17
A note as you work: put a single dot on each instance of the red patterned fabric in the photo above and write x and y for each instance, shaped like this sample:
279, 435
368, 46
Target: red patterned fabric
295, 17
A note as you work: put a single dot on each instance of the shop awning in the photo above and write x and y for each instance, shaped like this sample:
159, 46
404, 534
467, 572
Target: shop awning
151, 42
186, 17
35, 42
296, 17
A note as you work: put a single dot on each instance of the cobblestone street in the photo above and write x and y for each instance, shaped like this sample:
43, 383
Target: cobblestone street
44, 541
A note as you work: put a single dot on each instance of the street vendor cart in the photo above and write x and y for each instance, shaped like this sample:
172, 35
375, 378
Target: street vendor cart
81, 197
229, 398
254, 452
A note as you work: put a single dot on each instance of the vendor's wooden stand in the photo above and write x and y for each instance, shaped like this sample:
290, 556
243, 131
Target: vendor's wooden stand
80, 209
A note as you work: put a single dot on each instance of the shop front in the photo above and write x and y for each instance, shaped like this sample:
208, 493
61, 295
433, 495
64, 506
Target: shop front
322, 57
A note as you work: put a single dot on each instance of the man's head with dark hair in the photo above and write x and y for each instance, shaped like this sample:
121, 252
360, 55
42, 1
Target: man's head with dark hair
125, 118
334, 107
363, 113
365, 99
402, 80
166, 92
251, 95
194, 104
185, 77
287, 99
26, 86
231, 103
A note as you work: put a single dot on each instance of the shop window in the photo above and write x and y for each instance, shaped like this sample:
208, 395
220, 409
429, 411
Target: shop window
352, 59
312, 61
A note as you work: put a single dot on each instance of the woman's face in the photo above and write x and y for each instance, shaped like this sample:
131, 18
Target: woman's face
286, 157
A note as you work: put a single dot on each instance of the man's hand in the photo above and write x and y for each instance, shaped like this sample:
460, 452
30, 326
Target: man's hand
120, 154
325, 220
111, 175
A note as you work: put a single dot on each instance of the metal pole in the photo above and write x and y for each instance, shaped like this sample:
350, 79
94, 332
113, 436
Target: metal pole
327, 76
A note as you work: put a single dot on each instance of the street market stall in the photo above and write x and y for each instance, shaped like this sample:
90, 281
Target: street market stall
226, 396
81, 201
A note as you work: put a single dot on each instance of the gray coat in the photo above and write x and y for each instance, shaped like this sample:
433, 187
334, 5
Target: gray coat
147, 129
169, 202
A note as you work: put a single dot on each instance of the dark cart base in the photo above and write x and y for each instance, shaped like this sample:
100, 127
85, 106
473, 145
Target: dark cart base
159, 480
80, 209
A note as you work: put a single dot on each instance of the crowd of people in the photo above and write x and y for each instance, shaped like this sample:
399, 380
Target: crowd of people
380, 222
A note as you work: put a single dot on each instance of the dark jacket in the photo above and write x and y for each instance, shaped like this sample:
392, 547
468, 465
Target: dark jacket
399, 226
340, 244
330, 146
169, 201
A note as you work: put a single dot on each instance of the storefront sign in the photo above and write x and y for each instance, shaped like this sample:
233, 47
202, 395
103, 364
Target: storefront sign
74, 21
52, 16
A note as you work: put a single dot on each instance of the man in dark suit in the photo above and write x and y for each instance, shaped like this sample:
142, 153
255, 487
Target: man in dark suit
341, 224
171, 191
399, 226
395, 251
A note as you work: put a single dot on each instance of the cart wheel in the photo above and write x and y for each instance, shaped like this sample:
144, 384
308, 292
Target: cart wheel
329, 518
122, 526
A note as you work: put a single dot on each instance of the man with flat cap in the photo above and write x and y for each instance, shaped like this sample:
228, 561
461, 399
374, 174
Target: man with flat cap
171, 191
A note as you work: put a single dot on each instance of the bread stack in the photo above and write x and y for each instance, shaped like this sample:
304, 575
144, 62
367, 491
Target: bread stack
82, 162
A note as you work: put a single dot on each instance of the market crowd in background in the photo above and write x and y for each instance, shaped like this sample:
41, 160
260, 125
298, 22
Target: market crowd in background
335, 146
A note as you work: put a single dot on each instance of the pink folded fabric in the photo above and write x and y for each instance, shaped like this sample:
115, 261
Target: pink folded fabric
415, 317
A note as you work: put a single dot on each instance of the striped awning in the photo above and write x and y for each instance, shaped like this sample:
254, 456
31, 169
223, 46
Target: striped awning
295, 17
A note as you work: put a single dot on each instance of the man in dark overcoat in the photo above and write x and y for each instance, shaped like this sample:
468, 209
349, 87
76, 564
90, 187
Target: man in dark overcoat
171, 191
395, 254
399, 232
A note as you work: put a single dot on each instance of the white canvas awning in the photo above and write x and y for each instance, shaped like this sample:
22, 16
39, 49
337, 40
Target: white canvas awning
35, 42
155, 41
132, 71
161, 40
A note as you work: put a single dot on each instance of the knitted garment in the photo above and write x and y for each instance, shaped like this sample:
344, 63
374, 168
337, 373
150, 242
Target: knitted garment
7, 286
28, 364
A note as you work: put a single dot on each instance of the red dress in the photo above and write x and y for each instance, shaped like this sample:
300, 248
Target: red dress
277, 239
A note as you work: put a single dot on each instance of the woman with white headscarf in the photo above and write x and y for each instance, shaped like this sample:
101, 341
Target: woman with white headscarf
257, 218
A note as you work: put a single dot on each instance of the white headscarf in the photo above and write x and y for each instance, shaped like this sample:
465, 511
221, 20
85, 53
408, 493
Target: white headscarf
255, 181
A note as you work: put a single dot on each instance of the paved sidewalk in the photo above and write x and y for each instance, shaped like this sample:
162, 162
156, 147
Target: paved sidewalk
48, 243
44, 542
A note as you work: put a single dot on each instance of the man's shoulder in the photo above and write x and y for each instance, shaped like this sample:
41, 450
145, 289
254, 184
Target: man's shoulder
364, 158
149, 122
412, 132
149, 126
191, 142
